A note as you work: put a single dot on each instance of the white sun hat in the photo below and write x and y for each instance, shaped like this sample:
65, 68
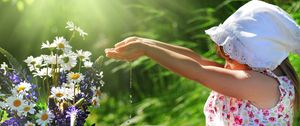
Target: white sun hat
258, 34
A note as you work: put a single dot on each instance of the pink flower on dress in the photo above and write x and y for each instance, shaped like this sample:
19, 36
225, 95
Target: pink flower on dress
250, 113
228, 116
211, 119
240, 104
238, 120
256, 121
221, 98
286, 116
232, 109
272, 119
261, 125
223, 107
266, 113
290, 93
248, 104
283, 91
210, 104
285, 79
280, 108
216, 110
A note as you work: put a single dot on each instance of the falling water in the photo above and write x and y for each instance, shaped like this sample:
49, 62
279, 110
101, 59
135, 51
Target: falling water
130, 92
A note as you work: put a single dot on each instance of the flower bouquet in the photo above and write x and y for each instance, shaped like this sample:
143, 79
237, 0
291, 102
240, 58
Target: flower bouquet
58, 90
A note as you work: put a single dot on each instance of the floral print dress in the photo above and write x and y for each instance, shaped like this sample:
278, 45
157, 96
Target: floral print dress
221, 110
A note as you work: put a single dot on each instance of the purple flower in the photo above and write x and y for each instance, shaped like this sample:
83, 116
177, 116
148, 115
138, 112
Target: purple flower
62, 78
72, 111
11, 122
14, 78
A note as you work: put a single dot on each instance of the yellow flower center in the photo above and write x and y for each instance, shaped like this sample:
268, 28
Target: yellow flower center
21, 88
26, 109
94, 102
59, 94
81, 57
44, 117
33, 62
61, 45
98, 93
17, 103
29, 124
75, 76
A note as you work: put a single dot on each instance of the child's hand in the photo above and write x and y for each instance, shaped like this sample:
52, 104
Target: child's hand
129, 49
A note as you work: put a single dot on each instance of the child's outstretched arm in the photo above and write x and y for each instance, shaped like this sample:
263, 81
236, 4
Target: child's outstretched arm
258, 88
178, 49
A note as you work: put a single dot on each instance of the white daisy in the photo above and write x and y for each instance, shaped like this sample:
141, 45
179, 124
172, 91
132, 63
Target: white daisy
16, 92
44, 117
54, 59
88, 64
34, 63
27, 108
75, 77
68, 85
70, 93
69, 90
15, 102
96, 101
43, 72
70, 26
4, 67
47, 45
29, 124
96, 91
62, 44
68, 61
38, 62
81, 32
30, 62
83, 55
59, 93
23, 87
3, 105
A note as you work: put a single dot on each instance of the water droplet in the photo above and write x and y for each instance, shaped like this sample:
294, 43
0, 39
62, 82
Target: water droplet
130, 90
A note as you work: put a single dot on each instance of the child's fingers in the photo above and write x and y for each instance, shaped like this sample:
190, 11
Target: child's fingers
121, 48
114, 55
119, 44
108, 49
126, 41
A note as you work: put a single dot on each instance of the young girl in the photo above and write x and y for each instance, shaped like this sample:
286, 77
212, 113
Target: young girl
256, 86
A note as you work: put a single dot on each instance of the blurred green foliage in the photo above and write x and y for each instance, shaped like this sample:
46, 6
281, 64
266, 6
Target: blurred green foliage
159, 96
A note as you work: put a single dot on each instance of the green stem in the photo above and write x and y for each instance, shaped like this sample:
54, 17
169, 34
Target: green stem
73, 35
79, 67
47, 85
38, 87
56, 73
74, 94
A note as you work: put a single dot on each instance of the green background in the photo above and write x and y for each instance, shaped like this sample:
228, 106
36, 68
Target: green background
159, 97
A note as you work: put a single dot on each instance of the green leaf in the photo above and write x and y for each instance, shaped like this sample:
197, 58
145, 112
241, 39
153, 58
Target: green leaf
98, 63
13, 62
